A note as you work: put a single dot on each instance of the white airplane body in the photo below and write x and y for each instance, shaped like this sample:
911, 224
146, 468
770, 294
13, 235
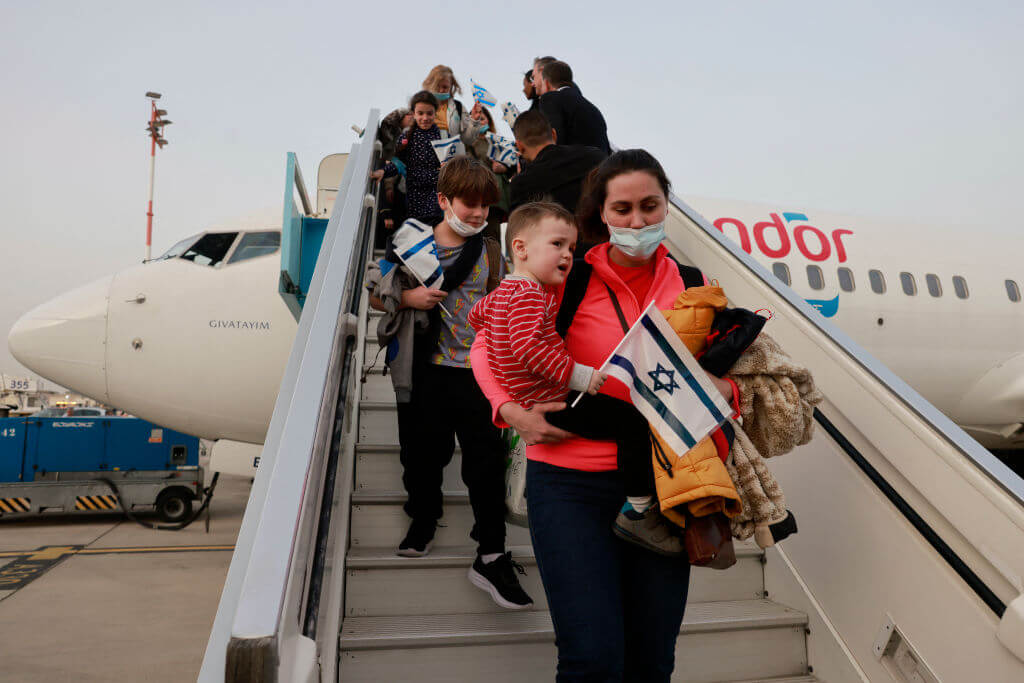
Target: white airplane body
200, 345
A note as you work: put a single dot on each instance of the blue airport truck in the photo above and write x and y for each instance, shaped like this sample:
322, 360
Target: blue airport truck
88, 464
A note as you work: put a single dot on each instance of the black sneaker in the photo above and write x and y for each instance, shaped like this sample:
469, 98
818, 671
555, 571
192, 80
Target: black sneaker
418, 539
499, 579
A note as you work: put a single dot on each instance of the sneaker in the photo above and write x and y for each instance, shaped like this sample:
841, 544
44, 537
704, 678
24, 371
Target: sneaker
418, 539
499, 579
648, 529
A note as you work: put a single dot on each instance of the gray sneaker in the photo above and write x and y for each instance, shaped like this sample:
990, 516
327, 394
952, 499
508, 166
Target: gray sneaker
649, 530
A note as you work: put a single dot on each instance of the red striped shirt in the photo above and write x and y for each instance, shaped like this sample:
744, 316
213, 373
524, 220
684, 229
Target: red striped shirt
524, 352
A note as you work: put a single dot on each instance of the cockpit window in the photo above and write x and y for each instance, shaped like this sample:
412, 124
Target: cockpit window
211, 248
178, 249
254, 244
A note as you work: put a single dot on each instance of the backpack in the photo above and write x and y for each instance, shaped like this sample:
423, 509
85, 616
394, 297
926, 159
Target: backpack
579, 278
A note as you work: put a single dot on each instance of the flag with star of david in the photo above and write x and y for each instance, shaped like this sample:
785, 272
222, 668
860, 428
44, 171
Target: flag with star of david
415, 247
666, 384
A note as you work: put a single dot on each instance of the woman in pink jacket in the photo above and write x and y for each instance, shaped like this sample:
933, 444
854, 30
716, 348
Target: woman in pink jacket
616, 607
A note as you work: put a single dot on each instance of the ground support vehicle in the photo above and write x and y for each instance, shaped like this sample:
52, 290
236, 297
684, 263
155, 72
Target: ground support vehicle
89, 464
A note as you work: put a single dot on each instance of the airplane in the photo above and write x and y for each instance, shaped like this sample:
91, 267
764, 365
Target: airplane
198, 338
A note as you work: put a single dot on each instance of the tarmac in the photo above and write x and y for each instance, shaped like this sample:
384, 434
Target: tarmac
96, 597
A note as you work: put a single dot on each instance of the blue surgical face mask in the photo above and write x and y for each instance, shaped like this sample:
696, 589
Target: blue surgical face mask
486, 127
638, 243
441, 96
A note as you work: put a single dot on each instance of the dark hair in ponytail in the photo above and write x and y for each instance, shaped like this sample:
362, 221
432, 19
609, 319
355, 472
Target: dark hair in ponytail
595, 189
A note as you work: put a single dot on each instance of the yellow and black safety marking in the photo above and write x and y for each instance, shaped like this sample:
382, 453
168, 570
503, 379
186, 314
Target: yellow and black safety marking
12, 505
96, 503
30, 567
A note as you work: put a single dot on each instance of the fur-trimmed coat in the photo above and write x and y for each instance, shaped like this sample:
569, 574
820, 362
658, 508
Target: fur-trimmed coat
777, 400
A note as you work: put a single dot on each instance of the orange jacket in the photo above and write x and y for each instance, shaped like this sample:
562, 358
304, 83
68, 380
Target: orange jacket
698, 478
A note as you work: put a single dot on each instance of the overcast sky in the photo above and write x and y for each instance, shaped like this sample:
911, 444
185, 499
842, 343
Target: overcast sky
889, 109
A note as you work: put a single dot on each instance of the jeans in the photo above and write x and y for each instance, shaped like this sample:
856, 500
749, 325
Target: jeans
616, 607
446, 402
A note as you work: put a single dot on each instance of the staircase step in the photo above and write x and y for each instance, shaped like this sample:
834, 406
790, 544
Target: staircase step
720, 641
378, 422
381, 584
376, 386
379, 521
378, 466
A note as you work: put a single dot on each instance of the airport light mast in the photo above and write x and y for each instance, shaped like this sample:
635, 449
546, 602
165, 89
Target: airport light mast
156, 135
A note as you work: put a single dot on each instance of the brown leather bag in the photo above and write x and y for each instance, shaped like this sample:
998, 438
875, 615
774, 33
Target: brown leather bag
708, 541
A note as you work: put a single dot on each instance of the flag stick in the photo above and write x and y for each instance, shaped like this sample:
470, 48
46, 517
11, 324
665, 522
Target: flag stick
420, 280
614, 351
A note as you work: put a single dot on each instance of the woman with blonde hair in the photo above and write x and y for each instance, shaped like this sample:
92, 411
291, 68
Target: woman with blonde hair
450, 116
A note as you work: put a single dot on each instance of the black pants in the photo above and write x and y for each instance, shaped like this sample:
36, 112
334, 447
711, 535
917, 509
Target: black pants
606, 418
446, 402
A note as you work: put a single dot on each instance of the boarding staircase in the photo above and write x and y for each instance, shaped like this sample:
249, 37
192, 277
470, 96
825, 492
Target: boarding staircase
911, 536
420, 617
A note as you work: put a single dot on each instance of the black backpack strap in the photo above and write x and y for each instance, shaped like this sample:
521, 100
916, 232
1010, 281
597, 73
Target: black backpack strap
493, 263
572, 295
456, 273
692, 277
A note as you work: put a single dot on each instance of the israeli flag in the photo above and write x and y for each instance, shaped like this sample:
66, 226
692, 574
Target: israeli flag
666, 384
448, 148
501, 149
510, 113
414, 246
482, 95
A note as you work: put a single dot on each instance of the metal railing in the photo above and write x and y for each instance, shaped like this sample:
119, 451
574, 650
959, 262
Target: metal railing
262, 629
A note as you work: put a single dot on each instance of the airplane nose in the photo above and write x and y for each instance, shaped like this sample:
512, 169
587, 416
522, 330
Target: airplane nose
64, 339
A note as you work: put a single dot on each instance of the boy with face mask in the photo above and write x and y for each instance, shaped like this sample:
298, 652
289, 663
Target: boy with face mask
445, 400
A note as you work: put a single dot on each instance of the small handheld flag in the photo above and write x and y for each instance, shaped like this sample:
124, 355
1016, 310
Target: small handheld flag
482, 95
415, 247
501, 149
510, 113
665, 382
448, 148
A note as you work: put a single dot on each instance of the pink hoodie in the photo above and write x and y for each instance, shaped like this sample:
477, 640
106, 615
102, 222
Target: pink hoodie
594, 333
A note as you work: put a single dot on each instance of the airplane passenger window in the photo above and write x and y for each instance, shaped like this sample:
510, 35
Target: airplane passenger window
255, 244
846, 282
909, 285
1012, 291
815, 278
877, 281
211, 248
781, 271
960, 287
934, 286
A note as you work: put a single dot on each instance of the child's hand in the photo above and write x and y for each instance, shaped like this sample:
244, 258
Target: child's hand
422, 298
498, 167
596, 380
378, 174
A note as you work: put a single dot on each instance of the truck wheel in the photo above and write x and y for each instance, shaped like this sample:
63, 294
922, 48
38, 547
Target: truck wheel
173, 506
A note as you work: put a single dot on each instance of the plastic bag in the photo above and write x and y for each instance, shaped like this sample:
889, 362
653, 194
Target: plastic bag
515, 479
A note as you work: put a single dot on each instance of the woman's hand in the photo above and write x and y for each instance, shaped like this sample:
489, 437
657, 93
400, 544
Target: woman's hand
475, 111
378, 174
422, 298
498, 167
531, 425
724, 387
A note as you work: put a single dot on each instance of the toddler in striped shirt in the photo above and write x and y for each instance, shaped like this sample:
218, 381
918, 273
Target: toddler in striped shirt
526, 355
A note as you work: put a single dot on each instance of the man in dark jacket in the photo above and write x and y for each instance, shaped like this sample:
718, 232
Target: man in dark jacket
575, 119
555, 171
